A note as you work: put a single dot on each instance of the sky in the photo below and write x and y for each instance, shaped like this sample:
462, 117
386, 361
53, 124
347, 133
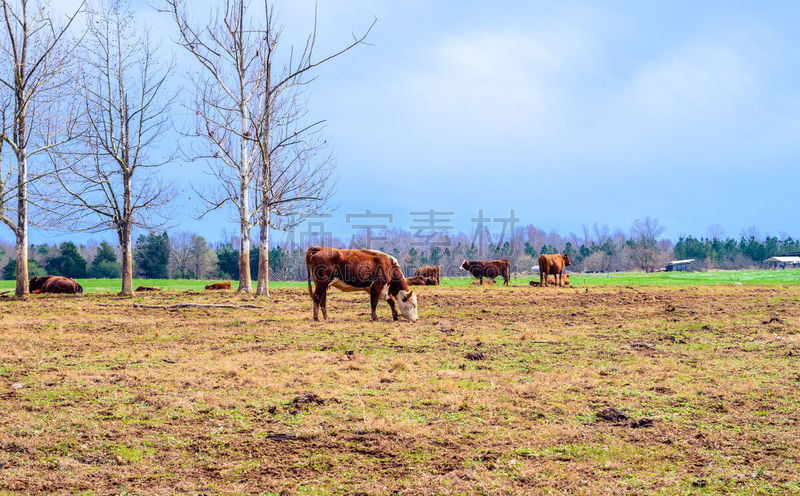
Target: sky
565, 113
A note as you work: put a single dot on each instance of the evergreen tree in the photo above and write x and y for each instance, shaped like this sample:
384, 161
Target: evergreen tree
105, 264
10, 270
151, 256
69, 263
228, 261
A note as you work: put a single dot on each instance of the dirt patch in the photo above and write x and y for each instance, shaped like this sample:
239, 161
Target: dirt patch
486, 393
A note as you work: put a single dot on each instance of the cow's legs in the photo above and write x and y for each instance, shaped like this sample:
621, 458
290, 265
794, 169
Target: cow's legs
542, 279
320, 299
390, 301
374, 296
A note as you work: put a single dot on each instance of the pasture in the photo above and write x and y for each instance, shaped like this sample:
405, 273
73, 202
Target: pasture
746, 277
595, 389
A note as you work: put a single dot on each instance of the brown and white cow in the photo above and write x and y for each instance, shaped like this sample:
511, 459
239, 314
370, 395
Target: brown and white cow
551, 279
421, 281
429, 272
488, 268
552, 264
372, 271
54, 284
219, 285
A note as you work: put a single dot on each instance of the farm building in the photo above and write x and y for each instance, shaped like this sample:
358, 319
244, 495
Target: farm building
789, 261
679, 265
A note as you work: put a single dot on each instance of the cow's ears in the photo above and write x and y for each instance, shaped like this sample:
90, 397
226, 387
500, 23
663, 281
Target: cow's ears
408, 296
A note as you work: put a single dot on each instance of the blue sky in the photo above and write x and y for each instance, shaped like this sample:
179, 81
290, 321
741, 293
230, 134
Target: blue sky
569, 113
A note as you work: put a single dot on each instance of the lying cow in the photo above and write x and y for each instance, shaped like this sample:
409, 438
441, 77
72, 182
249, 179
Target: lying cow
488, 268
421, 281
551, 279
219, 285
146, 288
487, 282
430, 272
372, 271
54, 284
552, 265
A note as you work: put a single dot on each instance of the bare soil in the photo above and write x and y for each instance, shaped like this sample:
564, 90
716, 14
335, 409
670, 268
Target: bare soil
495, 390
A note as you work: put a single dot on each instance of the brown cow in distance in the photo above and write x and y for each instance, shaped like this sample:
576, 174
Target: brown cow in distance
372, 271
146, 288
219, 285
487, 282
421, 281
428, 271
552, 264
54, 284
488, 268
551, 279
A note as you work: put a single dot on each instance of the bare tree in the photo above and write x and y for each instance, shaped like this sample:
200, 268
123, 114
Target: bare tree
715, 232
180, 254
644, 239
110, 173
251, 115
34, 52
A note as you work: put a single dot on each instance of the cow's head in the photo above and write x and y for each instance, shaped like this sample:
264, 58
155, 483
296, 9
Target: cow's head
407, 304
465, 265
566, 259
37, 282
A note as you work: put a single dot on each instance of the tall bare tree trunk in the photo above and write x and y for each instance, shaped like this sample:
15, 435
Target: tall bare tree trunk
22, 288
127, 260
265, 142
244, 263
263, 256
21, 231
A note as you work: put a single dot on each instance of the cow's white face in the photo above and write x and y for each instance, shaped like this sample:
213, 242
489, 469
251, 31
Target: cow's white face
407, 304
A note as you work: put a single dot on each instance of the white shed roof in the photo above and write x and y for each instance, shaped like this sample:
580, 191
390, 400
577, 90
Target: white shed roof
790, 260
676, 262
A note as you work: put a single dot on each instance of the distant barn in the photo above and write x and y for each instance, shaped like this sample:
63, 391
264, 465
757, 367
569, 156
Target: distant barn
680, 265
786, 261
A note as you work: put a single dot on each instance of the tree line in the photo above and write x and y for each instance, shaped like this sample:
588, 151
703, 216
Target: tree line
189, 256
88, 98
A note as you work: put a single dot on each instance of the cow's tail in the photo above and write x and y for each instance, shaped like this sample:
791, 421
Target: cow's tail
311, 251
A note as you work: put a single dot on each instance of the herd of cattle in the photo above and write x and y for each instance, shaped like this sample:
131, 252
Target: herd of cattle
371, 271
380, 275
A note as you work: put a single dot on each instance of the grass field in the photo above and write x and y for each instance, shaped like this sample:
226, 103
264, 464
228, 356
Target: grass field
691, 389
610, 279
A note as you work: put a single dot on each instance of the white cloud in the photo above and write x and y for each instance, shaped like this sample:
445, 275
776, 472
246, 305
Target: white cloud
498, 80
703, 81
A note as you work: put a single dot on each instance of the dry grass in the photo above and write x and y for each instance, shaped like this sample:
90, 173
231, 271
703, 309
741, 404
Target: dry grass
494, 391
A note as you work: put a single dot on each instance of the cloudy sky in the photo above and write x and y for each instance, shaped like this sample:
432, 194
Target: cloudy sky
570, 113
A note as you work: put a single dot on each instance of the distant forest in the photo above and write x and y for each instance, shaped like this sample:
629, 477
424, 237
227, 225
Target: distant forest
185, 255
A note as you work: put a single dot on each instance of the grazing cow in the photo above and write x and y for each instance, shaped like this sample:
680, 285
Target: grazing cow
551, 279
219, 285
552, 264
488, 268
421, 281
429, 271
372, 271
54, 284
487, 282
